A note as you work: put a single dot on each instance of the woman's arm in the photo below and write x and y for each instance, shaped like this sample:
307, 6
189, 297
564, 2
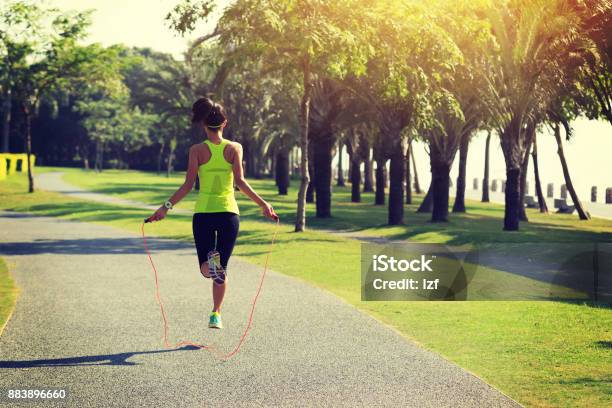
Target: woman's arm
192, 172
246, 188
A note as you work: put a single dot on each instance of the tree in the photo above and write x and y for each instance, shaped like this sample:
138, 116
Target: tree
403, 77
55, 63
533, 41
459, 112
326, 105
301, 37
166, 92
109, 120
18, 23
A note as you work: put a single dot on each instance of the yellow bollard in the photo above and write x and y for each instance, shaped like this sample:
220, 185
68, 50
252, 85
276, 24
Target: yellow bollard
13, 164
8, 163
24, 162
2, 166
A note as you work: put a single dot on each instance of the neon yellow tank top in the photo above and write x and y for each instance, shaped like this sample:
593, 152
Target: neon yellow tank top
216, 183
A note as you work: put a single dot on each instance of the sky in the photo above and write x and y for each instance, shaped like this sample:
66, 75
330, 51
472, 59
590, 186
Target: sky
142, 23
135, 22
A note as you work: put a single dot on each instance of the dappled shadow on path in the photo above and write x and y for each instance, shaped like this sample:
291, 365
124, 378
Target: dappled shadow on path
105, 246
120, 359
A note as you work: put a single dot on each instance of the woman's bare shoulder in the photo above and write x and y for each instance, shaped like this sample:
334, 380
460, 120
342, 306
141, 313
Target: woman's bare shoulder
234, 148
235, 145
198, 147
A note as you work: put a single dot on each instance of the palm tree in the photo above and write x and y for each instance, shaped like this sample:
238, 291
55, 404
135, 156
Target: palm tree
534, 40
458, 111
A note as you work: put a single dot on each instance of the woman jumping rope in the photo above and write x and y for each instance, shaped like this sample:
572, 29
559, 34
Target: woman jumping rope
216, 220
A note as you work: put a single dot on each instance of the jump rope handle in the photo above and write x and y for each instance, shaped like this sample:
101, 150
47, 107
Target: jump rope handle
147, 220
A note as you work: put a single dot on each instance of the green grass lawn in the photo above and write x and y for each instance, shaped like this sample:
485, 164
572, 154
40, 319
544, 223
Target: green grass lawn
539, 353
8, 294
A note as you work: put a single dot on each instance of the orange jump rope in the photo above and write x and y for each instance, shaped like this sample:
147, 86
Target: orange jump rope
212, 349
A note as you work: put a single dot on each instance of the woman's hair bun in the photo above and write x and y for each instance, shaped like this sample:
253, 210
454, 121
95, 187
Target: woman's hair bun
201, 109
216, 117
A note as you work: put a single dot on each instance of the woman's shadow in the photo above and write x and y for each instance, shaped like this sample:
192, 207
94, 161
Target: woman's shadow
120, 359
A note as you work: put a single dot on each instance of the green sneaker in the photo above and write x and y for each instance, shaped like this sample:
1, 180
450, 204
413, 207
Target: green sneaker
215, 321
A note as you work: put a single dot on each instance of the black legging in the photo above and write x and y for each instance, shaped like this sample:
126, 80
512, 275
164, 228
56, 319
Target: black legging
221, 227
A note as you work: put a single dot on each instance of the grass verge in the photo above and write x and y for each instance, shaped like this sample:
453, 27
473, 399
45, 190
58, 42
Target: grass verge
8, 294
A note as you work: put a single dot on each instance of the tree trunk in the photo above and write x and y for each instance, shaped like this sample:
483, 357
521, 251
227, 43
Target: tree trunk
510, 140
440, 187
341, 182
257, 165
29, 151
531, 129
350, 160
368, 177
511, 213
282, 172
273, 167
355, 178
99, 156
160, 156
440, 184
485, 180
171, 155
84, 153
7, 106
322, 162
249, 158
397, 171
310, 190
408, 177
417, 185
379, 198
568, 180
276, 174
300, 218
427, 203
459, 206
536, 170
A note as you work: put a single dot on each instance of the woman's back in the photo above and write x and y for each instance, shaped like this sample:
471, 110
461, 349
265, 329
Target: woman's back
216, 182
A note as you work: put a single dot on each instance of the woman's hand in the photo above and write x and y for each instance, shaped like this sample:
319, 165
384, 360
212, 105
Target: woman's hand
269, 212
159, 215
